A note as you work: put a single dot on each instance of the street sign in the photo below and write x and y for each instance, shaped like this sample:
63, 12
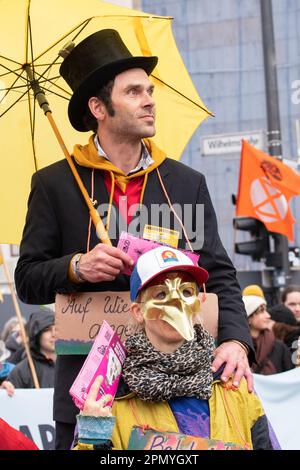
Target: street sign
231, 143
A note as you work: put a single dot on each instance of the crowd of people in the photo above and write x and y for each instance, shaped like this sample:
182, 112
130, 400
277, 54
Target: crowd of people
275, 330
15, 369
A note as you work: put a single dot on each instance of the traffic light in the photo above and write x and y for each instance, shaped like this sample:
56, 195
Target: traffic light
258, 247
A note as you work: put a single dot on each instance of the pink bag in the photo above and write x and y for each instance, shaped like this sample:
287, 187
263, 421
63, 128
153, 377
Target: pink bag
105, 358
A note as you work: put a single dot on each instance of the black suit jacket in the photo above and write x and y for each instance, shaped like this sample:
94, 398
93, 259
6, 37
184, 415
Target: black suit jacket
57, 227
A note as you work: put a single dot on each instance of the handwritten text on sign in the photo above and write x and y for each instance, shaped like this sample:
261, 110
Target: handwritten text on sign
78, 319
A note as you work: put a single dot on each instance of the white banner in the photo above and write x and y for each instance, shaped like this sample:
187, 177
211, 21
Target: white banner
30, 411
280, 395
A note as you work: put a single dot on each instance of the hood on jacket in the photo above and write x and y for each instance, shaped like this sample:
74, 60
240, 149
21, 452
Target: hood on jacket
87, 156
37, 323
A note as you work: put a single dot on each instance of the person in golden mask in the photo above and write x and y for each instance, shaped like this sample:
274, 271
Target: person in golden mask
168, 397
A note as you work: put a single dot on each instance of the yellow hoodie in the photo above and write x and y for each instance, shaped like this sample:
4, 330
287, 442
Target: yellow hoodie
88, 157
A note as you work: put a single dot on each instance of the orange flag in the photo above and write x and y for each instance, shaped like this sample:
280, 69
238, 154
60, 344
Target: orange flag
265, 187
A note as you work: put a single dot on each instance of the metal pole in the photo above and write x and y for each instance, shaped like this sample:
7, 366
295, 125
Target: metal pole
280, 275
19, 316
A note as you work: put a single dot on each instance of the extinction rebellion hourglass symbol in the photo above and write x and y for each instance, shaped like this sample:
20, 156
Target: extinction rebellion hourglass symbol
269, 203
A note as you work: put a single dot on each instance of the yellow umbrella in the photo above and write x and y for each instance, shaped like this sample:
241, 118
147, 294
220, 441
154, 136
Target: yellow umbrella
31, 36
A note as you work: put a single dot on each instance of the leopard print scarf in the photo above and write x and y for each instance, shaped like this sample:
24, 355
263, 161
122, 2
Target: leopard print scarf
158, 376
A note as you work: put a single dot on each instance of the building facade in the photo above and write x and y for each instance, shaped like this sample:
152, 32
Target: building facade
221, 45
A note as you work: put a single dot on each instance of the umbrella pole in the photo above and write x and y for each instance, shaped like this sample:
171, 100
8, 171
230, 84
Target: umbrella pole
19, 316
100, 229
39, 95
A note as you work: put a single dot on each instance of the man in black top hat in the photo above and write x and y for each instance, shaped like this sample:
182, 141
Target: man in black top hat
60, 251
92, 64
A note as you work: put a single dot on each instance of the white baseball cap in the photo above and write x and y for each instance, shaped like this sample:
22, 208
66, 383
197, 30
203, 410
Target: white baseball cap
252, 302
161, 260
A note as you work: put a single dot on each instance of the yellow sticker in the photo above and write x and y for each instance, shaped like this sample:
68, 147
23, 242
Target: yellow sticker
161, 235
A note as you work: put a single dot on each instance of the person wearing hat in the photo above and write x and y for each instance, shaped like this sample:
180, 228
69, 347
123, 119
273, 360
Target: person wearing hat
168, 393
272, 355
126, 176
253, 289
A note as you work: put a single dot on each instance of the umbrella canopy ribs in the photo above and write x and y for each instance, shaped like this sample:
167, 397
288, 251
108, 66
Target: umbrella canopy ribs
35, 36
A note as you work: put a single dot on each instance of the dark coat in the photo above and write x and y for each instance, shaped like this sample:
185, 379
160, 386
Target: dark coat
16, 350
291, 339
21, 376
281, 357
57, 227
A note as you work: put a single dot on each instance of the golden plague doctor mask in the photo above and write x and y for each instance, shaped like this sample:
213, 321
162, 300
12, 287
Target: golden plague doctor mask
174, 299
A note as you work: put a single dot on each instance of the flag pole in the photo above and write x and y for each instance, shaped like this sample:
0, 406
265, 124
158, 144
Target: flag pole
281, 275
19, 316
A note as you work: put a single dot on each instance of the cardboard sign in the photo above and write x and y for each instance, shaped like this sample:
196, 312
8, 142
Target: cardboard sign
78, 318
151, 439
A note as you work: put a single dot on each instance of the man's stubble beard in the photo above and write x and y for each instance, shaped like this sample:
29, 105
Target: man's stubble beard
135, 132
129, 130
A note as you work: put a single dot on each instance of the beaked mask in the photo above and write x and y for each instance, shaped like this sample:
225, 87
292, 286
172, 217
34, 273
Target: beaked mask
174, 300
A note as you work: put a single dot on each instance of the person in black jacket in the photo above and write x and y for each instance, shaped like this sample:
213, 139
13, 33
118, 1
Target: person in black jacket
125, 172
40, 330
